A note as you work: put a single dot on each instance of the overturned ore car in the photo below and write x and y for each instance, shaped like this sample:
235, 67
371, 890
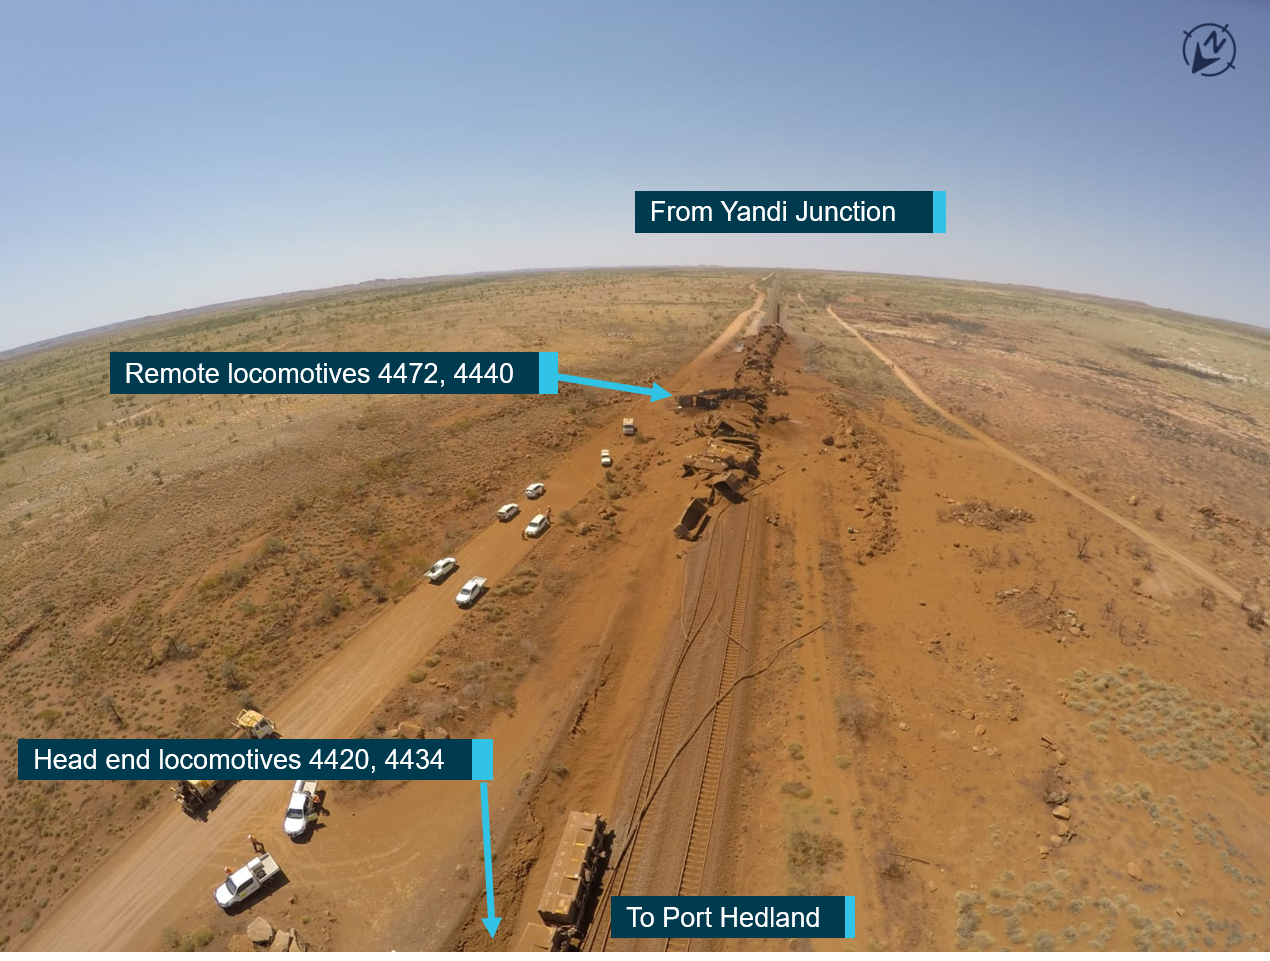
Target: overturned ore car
693, 520
568, 898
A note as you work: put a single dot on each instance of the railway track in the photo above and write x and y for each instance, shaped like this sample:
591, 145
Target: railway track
712, 770
662, 752
666, 748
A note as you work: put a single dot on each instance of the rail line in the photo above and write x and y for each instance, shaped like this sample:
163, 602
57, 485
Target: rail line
712, 771
664, 750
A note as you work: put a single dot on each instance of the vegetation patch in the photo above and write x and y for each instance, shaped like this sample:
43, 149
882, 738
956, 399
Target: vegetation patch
1168, 722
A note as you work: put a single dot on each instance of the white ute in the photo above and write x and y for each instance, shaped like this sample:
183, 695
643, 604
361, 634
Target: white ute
606, 460
248, 880
441, 569
303, 809
538, 526
470, 591
508, 511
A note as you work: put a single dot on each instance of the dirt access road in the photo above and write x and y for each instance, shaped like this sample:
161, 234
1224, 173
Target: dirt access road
1196, 569
125, 903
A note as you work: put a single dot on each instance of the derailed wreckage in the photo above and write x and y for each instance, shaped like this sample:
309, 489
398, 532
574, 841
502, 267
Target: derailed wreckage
730, 459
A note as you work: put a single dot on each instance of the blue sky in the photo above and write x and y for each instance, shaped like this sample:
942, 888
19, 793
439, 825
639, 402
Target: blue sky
158, 156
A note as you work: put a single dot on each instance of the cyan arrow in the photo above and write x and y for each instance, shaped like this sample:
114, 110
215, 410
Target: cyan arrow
549, 378
491, 922
654, 393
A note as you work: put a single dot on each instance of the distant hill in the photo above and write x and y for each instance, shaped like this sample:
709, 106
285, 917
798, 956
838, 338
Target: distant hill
239, 304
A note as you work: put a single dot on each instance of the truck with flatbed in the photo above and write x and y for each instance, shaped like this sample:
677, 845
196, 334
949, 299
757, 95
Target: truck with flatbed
248, 881
628, 426
193, 796
253, 724
470, 591
302, 810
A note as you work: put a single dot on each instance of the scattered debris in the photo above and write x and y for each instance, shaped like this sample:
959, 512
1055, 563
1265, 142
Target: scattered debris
982, 514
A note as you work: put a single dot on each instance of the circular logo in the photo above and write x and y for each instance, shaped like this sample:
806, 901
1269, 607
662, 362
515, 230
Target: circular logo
1209, 49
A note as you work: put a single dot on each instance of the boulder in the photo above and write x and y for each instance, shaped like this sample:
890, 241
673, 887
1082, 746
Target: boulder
827, 440
296, 943
1055, 793
1134, 871
440, 734
281, 941
260, 930
409, 730
1063, 812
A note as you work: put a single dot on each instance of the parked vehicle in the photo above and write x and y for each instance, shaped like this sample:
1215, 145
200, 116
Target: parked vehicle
248, 881
538, 526
470, 591
628, 426
302, 810
606, 459
441, 570
534, 491
508, 511
253, 724
194, 795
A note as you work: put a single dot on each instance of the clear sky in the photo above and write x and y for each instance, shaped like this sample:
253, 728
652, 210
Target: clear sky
158, 156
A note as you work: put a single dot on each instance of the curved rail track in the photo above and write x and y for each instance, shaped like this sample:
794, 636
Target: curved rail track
712, 770
665, 750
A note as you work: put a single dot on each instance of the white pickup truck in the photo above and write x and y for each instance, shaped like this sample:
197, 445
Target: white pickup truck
470, 591
302, 809
441, 570
247, 881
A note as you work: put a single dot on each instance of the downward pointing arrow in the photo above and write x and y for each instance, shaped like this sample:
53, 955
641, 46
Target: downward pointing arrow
490, 920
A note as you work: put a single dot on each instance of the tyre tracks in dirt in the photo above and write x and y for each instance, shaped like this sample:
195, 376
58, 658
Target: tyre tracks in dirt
1197, 570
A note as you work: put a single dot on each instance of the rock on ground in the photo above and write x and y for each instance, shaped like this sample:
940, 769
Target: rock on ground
260, 930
